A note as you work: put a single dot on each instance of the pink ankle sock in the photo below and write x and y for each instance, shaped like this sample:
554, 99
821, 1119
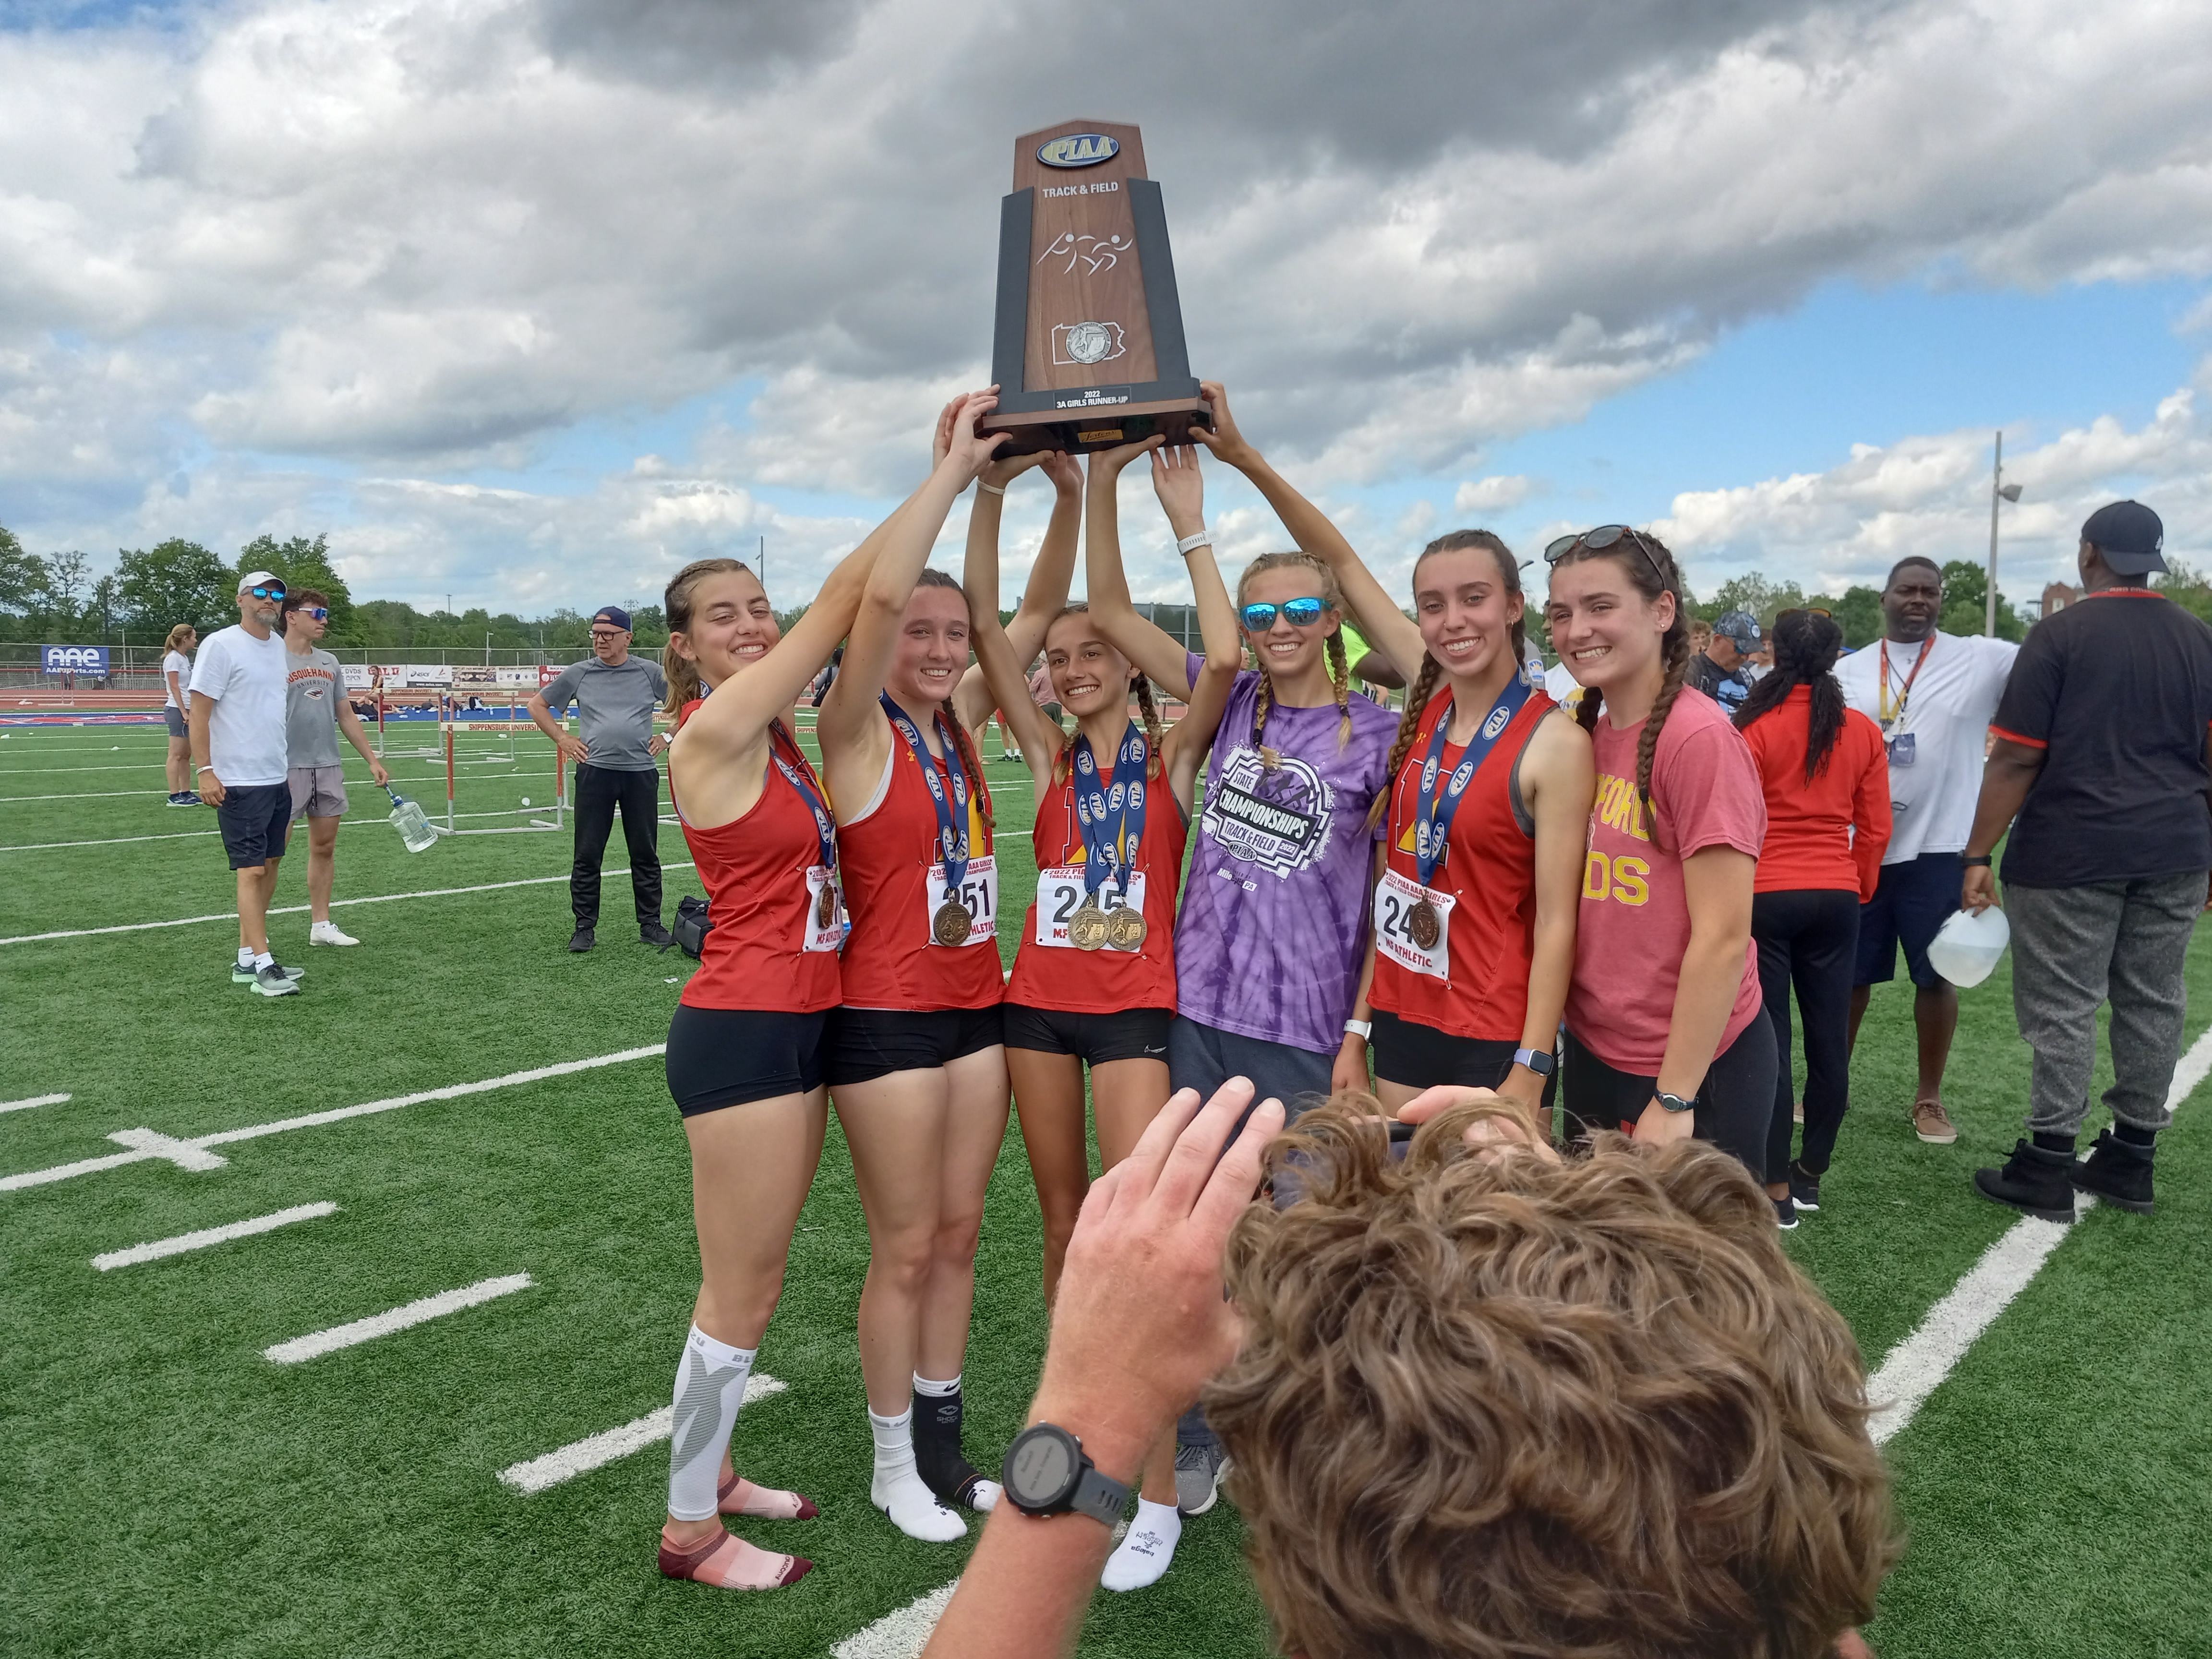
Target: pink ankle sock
730, 1562
738, 1495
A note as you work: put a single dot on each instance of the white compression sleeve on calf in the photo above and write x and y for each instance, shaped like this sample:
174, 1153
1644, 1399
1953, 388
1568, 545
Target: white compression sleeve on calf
710, 1382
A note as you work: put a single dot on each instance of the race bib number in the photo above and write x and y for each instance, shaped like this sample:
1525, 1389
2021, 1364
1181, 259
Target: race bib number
1396, 937
824, 935
1059, 895
978, 893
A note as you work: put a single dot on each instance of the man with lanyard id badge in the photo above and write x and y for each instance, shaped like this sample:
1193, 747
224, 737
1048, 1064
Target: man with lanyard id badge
963, 907
1933, 694
1109, 917
1412, 917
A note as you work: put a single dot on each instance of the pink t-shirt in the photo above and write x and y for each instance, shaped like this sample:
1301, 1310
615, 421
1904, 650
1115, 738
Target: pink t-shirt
1633, 923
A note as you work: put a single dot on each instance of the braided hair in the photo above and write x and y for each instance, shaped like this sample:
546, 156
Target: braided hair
1806, 646
1673, 645
1064, 762
1340, 670
1424, 682
675, 603
970, 761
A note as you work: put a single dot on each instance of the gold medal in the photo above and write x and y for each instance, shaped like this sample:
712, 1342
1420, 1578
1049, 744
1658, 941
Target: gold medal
825, 907
1424, 925
1125, 929
951, 923
1087, 928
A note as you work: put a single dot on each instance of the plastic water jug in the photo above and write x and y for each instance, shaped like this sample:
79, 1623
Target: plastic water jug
414, 827
1966, 949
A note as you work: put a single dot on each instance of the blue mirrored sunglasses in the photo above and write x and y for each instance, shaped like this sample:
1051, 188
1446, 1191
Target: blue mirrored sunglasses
276, 592
1299, 613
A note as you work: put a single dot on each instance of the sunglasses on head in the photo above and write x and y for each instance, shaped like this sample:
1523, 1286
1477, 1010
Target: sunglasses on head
276, 591
1598, 540
1299, 613
1804, 610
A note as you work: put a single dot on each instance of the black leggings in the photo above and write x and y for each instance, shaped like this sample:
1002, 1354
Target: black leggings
1808, 938
1734, 1101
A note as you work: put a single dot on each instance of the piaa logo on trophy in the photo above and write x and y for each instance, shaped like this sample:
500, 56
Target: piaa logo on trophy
1086, 342
1078, 149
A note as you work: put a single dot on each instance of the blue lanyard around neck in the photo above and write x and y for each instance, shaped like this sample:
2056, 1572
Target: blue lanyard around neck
800, 777
951, 841
1113, 853
1434, 809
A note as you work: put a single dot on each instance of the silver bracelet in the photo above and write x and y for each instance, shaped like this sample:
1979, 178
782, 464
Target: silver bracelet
1191, 544
995, 490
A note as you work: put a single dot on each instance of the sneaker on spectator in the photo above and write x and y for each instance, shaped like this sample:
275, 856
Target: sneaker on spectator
1199, 1473
1785, 1213
1804, 1189
242, 972
326, 933
275, 980
1930, 1123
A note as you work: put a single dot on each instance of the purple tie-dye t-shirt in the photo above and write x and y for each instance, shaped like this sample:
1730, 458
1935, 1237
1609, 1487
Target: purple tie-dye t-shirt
1274, 914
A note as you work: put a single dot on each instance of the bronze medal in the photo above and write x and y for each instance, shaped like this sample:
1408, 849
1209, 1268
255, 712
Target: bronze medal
1424, 925
1087, 928
1125, 929
825, 907
951, 923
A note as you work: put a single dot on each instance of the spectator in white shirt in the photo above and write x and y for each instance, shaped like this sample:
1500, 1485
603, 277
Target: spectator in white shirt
176, 698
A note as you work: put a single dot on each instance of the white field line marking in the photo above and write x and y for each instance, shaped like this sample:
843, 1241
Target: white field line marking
35, 1100
596, 1452
315, 1344
900, 1635
296, 909
119, 795
1916, 1367
196, 1149
199, 1241
71, 771
187, 834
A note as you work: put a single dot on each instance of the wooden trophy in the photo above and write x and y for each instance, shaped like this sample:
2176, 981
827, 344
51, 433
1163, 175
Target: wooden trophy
1088, 352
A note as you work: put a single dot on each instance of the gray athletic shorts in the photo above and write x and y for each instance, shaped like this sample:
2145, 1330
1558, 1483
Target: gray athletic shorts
173, 718
318, 791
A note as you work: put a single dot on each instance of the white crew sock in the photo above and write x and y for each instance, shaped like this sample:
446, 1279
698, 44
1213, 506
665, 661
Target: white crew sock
899, 1489
710, 1383
1143, 1556
263, 959
245, 957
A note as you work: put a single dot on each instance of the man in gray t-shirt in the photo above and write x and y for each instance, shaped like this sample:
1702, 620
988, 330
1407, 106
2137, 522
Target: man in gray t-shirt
617, 762
315, 709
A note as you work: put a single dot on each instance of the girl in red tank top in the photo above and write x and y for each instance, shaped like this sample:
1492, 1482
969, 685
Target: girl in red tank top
745, 1052
915, 1064
1478, 875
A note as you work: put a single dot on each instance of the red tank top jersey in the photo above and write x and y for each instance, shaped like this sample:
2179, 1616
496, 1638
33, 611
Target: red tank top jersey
1490, 869
891, 959
1105, 982
754, 869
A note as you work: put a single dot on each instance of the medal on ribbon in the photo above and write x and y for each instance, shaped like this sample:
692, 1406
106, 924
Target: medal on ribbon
950, 922
1435, 806
1113, 825
800, 776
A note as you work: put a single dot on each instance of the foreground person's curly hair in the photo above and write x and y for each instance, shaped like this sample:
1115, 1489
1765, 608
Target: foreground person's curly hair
1502, 1405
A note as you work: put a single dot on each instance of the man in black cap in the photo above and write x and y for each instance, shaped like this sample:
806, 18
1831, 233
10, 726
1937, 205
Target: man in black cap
2102, 756
1720, 671
617, 760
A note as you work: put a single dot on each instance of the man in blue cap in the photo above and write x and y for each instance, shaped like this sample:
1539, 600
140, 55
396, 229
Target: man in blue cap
1720, 671
617, 760
2102, 768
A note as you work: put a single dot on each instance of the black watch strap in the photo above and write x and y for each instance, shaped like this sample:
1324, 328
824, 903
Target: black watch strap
1677, 1103
1100, 1497
1973, 862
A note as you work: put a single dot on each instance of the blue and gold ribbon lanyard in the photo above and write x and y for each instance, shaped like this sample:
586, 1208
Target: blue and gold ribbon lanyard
1435, 807
949, 923
801, 778
1110, 851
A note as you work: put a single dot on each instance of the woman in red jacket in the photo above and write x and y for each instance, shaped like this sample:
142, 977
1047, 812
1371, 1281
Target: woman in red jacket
1827, 779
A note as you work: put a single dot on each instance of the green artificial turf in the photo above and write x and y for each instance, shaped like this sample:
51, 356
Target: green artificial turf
168, 1489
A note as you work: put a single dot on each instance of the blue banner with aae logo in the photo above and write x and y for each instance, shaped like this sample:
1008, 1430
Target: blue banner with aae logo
73, 660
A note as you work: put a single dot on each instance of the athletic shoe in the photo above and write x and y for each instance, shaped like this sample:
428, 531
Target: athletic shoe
243, 973
1199, 1471
1804, 1189
326, 933
1930, 1123
2118, 1171
2034, 1180
654, 934
1786, 1214
582, 940
275, 980
180, 800
191, 798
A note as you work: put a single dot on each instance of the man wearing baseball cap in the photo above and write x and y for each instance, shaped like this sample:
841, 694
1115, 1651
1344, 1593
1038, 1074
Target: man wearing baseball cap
617, 756
2102, 768
239, 747
1719, 670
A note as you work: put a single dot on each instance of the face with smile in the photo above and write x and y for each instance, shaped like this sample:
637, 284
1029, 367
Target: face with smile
1606, 631
933, 647
1464, 613
1284, 649
732, 625
1911, 603
1089, 676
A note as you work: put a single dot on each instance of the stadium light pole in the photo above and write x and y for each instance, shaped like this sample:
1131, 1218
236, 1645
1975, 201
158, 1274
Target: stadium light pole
1999, 492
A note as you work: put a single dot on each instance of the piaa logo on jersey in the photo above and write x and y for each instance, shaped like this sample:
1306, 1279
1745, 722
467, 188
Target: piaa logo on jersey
1078, 149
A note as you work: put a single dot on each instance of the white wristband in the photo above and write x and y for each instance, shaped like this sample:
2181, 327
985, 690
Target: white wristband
1192, 543
1361, 1029
994, 489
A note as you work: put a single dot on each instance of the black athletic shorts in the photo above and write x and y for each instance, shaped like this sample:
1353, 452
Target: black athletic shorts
1736, 1102
1095, 1039
1418, 1056
253, 818
721, 1057
865, 1043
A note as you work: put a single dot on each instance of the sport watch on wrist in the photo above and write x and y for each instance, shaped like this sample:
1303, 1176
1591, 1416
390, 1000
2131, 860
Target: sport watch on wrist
1675, 1103
1973, 862
1361, 1029
1045, 1473
1542, 1061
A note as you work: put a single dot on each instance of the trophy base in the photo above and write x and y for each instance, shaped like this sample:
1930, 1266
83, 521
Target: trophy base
1104, 425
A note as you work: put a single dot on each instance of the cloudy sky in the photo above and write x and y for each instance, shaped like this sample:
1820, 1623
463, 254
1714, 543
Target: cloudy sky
529, 301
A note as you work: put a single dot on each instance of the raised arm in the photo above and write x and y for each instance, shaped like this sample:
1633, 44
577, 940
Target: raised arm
1142, 641
1049, 578
1177, 481
1000, 669
1388, 628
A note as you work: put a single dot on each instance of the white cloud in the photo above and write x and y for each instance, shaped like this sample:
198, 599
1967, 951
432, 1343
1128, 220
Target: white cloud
1490, 495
